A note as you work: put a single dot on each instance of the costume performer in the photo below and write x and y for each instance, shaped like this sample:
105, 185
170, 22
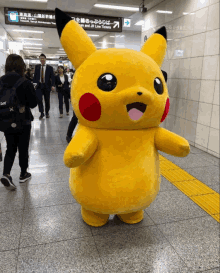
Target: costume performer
120, 97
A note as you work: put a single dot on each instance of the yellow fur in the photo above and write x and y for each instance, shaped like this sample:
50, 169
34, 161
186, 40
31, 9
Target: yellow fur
114, 160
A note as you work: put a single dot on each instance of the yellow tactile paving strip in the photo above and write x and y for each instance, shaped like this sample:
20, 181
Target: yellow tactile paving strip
197, 191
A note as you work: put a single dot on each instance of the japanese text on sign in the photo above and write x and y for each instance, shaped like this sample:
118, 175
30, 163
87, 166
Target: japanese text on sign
47, 19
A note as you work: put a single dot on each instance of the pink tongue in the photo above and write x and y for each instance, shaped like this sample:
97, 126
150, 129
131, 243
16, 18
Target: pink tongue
135, 114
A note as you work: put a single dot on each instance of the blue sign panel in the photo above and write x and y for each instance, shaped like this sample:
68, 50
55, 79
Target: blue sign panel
13, 16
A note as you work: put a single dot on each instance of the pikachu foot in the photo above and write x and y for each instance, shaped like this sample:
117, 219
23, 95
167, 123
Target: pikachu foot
132, 218
94, 219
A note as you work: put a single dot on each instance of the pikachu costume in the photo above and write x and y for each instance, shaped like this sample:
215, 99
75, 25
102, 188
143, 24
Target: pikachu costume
120, 97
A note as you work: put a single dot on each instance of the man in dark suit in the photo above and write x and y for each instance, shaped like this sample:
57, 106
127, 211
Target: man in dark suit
43, 80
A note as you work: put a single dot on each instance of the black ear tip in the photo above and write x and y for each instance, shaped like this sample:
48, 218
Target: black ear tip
58, 12
165, 75
61, 20
162, 31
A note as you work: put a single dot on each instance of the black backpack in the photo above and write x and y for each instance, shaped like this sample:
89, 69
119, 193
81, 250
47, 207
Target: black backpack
12, 113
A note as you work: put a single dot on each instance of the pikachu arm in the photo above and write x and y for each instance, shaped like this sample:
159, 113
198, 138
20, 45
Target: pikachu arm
81, 148
171, 143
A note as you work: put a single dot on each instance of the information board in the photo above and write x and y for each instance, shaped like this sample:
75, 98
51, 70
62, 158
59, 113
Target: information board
39, 18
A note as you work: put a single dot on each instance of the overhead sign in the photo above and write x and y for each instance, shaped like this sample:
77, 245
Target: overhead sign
127, 22
39, 18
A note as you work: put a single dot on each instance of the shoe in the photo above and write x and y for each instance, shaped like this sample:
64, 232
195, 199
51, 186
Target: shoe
25, 177
61, 115
47, 115
67, 113
41, 116
7, 182
68, 139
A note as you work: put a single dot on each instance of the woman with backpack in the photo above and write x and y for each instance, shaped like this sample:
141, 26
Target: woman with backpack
62, 85
17, 96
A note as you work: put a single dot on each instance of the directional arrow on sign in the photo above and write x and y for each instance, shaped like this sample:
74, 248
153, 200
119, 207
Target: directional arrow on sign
116, 24
127, 22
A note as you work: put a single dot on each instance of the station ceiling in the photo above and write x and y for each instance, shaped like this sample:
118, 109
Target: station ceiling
50, 42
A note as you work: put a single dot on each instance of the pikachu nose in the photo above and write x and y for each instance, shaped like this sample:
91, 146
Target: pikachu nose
139, 93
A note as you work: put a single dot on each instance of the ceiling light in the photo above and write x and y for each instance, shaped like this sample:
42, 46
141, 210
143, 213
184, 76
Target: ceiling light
32, 50
115, 7
185, 13
106, 43
36, 39
32, 31
44, 1
15, 45
164, 11
140, 23
93, 35
121, 36
33, 47
35, 50
31, 44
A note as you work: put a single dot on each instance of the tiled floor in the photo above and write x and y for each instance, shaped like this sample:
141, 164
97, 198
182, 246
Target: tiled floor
41, 229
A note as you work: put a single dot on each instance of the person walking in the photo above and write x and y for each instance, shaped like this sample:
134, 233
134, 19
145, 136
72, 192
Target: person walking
17, 137
28, 75
62, 85
69, 74
71, 127
74, 120
43, 80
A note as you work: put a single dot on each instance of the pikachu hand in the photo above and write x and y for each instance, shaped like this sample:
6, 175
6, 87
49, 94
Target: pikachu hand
184, 150
82, 146
73, 160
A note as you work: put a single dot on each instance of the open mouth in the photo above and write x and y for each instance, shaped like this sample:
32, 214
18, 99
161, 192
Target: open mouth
136, 110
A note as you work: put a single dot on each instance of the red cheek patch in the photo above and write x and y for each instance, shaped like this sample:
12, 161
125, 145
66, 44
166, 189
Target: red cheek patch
166, 111
90, 107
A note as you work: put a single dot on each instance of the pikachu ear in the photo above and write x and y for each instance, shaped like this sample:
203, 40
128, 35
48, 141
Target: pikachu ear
165, 75
75, 41
156, 46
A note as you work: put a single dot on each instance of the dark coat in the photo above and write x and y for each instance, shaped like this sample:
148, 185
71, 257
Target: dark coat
49, 76
65, 87
25, 93
28, 78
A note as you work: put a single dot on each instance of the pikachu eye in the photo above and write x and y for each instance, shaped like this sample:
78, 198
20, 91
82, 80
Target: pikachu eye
158, 86
107, 82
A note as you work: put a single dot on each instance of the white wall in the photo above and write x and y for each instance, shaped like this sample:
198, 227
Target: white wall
193, 78
3, 54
